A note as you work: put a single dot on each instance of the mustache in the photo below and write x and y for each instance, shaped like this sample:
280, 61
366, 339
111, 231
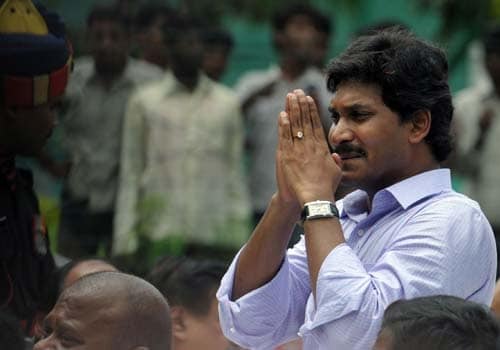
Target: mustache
348, 148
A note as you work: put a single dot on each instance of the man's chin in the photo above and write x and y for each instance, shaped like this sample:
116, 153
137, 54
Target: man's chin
350, 177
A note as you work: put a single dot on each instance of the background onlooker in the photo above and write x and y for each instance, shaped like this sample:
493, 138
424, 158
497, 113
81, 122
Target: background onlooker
217, 46
148, 33
296, 29
477, 126
91, 123
181, 177
189, 286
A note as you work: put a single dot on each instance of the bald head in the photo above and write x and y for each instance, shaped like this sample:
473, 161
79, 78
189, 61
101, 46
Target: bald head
110, 310
85, 267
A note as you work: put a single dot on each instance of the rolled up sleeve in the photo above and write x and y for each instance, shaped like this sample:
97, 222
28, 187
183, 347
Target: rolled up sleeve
269, 315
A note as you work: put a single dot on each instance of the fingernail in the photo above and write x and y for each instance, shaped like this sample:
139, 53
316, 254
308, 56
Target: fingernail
309, 99
298, 91
283, 116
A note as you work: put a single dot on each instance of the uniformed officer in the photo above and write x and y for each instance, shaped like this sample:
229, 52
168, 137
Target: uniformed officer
35, 61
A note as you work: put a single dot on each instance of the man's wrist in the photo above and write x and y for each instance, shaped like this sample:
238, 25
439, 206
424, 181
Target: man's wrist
316, 197
289, 208
319, 209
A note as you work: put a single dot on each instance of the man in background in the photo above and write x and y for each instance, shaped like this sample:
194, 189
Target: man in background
148, 34
92, 123
295, 32
181, 179
217, 47
477, 130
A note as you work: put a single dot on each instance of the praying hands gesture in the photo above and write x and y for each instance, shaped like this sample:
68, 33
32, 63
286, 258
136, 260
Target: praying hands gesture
305, 169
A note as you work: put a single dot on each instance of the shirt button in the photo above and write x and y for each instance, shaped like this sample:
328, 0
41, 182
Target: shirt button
299, 334
232, 330
361, 233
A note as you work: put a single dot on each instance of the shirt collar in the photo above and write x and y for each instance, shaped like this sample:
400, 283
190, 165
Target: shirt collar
405, 193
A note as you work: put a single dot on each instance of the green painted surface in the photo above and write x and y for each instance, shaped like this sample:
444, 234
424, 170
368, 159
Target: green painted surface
254, 50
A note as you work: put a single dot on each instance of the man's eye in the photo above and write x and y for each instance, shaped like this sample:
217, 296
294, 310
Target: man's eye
335, 117
360, 115
69, 340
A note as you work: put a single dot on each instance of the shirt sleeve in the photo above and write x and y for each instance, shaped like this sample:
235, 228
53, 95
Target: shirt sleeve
131, 167
272, 314
438, 250
238, 192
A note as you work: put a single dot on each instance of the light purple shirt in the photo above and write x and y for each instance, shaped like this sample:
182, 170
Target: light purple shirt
420, 238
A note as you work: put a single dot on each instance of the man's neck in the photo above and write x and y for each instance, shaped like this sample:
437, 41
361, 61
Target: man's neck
108, 78
190, 82
290, 69
419, 168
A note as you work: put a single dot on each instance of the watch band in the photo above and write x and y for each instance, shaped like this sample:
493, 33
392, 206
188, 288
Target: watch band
319, 210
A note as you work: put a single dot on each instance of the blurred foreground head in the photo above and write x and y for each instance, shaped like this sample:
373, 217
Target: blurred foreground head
108, 310
438, 323
189, 286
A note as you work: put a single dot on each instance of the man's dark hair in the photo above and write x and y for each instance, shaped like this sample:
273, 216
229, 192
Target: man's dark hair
411, 73
376, 27
179, 24
491, 39
440, 323
218, 37
107, 13
147, 14
187, 282
321, 23
11, 335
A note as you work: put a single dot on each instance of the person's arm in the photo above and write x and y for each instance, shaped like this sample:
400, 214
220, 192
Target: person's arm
238, 200
131, 168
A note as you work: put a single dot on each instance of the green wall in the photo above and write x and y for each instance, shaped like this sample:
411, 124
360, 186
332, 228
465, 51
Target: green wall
253, 48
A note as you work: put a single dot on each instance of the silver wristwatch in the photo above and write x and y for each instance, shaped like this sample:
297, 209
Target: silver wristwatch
319, 210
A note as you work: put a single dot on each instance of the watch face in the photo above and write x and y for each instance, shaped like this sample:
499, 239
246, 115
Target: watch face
319, 209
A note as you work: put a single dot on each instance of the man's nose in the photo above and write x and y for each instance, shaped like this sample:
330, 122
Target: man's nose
340, 132
105, 42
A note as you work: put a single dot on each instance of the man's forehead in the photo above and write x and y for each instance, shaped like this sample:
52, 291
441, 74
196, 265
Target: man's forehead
87, 310
356, 94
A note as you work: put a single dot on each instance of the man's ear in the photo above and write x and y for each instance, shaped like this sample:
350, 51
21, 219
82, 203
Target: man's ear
420, 125
278, 40
178, 316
